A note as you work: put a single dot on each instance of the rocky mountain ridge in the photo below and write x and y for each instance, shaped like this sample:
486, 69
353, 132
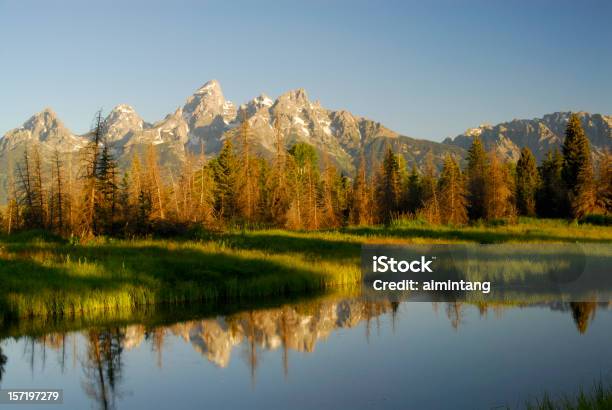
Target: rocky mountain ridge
207, 119
539, 134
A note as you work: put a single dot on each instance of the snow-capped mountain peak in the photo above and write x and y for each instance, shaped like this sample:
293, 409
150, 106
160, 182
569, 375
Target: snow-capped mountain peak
206, 104
210, 87
121, 121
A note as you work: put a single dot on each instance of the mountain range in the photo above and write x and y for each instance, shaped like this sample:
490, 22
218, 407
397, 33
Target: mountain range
207, 119
539, 134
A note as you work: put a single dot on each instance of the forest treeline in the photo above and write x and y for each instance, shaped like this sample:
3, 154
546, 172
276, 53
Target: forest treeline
295, 189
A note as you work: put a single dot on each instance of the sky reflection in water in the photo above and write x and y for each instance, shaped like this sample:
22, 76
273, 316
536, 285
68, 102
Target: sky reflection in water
329, 353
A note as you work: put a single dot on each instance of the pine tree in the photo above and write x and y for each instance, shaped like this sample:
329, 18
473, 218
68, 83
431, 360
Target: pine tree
107, 187
225, 168
313, 213
264, 186
527, 183
154, 183
30, 190
476, 173
453, 202
360, 208
577, 169
39, 187
71, 200
604, 184
135, 184
551, 197
293, 217
330, 195
12, 213
498, 190
91, 153
143, 215
60, 198
304, 212
248, 191
277, 183
124, 204
413, 199
390, 186
430, 209
204, 184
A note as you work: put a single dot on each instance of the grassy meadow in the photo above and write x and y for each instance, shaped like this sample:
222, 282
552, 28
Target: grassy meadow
44, 275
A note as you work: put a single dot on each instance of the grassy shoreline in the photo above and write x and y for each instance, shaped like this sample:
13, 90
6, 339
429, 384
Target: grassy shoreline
43, 275
598, 397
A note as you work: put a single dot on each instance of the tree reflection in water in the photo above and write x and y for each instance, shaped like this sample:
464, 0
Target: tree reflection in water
3, 360
583, 312
289, 328
102, 365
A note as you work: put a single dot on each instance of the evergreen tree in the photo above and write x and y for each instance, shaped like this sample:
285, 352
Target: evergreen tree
527, 183
124, 204
453, 202
59, 199
225, 176
498, 190
204, 183
107, 187
414, 191
577, 169
330, 196
360, 208
476, 173
343, 198
30, 189
248, 178
264, 187
143, 215
390, 187
551, 196
91, 156
39, 187
13, 221
304, 210
430, 195
153, 181
604, 184
277, 183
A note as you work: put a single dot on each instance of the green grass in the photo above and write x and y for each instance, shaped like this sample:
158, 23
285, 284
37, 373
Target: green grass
43, 275
598, 398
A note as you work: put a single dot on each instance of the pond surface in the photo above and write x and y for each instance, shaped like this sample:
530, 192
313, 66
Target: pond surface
329, 353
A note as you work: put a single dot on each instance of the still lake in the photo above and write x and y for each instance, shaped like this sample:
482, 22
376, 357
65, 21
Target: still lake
327, 353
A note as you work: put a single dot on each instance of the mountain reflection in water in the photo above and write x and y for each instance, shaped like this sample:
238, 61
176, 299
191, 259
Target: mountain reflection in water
99, 351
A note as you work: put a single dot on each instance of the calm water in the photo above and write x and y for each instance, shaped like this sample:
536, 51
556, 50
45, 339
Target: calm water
328, 353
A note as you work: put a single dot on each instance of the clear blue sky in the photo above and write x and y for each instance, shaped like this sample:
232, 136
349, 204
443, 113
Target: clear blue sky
425, 69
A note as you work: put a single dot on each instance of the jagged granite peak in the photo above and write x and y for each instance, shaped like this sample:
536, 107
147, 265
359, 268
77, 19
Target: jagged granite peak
210, 87
45, 129
207, 103
122, 122
540, 135
47, 118
262, 101
293, 101
298, 95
